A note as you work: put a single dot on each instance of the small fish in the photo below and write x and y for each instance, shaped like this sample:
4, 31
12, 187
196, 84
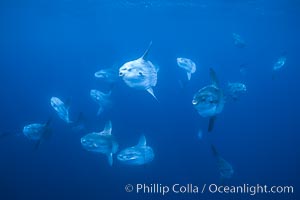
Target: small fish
236, 89
101, 142
225, 168
188, 65
209, 100
37, 132
137, 155
109, 75
238, 41
281, 61
102, 99
61, 109
140, 73
243, 69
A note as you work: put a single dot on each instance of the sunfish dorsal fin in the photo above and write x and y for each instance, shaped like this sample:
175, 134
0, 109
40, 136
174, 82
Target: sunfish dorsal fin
142, 141
150, 90
145, 55
213, 77
107, 129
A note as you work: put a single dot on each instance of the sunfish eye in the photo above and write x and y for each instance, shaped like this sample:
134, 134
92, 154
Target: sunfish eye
141, 74
194, 102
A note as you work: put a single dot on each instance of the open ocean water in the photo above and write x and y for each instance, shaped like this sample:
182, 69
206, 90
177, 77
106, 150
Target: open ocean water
53, 49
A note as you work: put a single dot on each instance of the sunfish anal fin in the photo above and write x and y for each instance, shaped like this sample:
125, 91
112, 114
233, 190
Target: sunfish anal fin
189, 75
110, 159
150, 90
211, 123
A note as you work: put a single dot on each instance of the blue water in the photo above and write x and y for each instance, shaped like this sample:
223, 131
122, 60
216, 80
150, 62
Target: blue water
53, 48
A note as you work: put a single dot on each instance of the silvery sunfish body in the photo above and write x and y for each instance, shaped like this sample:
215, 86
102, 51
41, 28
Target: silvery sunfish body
209, 100
101, 142
102, 99
109, 75
61, 109
188, 65
37, 132
238, 41
236, 89
225, 168
137, 155
140, 73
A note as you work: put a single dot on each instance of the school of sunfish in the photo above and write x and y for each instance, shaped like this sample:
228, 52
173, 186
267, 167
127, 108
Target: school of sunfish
142, 74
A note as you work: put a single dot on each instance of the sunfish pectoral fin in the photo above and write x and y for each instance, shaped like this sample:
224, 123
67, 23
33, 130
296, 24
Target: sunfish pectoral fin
145, 55
110, 159
108, 128
213, 77
150, 90
142, 141
189, 75
211, 123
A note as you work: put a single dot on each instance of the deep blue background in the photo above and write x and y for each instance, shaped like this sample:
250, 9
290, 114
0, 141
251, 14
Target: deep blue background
53, 48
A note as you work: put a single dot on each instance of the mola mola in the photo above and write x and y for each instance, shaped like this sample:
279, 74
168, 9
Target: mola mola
109, 75
281, 61
209, 100
188, 65
225, 168
137, 155
101, 142
238, 41
61, 108
37, 132
102, 99
140, 73
234, 90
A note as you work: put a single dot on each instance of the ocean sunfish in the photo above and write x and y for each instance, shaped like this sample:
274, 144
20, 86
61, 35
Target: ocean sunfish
37, 132
61, 109
139, 154
109, 75
188, 65
102, 99
209, 100
140, 73
235, 89
238, 41
101, 142
225, 168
